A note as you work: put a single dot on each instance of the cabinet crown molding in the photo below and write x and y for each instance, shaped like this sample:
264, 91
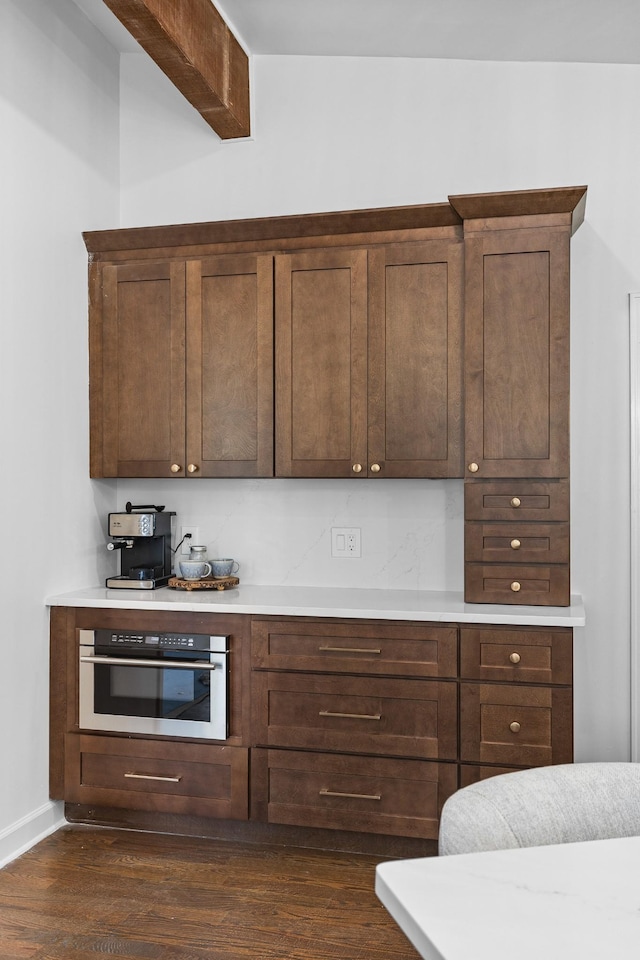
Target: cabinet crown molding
523, 203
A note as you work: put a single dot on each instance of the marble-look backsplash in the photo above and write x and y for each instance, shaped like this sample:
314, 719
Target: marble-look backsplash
280, 530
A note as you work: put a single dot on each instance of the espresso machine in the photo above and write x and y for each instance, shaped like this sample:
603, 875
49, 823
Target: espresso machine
143, 537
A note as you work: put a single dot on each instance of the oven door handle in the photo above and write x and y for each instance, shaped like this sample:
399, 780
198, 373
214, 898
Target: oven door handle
172, 664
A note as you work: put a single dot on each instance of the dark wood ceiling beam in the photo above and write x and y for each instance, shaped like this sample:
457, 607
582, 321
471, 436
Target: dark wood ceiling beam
193, 46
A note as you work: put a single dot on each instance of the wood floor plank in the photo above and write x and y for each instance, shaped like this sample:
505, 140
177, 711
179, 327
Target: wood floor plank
89, 892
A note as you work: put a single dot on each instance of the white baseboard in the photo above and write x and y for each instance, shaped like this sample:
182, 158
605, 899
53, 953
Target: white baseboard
20, 836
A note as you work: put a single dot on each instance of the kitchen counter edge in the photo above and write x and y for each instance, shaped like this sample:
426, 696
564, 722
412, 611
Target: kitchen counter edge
341, 602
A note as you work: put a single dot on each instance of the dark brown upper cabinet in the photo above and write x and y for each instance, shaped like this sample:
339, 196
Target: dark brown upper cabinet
181, 376
517, 331
369, 361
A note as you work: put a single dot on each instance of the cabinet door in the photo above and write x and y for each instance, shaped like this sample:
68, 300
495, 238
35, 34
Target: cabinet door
230, 367
321, 363
137, 371
517, 353
415, 359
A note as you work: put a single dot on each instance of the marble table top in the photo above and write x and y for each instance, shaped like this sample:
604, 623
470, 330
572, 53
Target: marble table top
575, 900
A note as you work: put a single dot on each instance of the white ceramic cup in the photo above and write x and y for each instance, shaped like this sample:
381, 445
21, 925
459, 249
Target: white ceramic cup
195, 569
224, 568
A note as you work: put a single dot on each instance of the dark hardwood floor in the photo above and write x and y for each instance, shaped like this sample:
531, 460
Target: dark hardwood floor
86, 892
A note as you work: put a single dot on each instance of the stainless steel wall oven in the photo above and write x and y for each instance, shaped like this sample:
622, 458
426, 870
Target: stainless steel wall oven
170, 684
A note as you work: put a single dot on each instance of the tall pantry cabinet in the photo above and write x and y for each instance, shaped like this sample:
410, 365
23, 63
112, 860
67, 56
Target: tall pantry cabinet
517, 394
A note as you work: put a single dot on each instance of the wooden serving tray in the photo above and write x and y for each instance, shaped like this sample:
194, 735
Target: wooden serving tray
207, 583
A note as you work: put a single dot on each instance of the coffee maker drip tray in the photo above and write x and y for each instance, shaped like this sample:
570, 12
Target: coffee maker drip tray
129, 583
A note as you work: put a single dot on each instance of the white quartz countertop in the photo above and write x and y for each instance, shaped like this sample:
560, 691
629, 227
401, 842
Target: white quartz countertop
572, 901
343, 602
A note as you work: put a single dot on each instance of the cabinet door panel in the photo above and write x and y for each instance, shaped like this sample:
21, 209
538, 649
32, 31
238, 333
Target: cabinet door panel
341, 792
515, 725
386, 649
230, 366
516, 655
163, 776
517, 542
517, 357
525, 501
535, 584
415, 359
142, 409
404, 718
321, 363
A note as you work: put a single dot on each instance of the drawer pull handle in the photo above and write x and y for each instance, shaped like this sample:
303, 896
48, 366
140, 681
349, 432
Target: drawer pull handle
473, 468
514, 657
148, 776
514, 727
350, 649
175, 468
357, 468
351, 716
355, 796
515, 586
515, 544
515, 502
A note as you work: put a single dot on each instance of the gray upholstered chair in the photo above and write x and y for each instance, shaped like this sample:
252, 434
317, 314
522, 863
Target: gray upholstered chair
530, 808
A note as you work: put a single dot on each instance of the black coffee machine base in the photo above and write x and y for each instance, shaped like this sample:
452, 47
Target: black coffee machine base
128, 583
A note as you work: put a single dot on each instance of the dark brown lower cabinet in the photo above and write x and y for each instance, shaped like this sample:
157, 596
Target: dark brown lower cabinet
345, 792
360, 726
164, 776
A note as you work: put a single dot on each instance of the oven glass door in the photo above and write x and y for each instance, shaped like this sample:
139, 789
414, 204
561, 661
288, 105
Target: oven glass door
176, 693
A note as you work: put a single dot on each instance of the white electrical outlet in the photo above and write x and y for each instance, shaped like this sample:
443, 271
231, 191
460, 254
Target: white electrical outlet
187, 543
345, 542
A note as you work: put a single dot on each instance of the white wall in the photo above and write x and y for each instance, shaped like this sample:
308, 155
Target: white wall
58, 176
333, 134
329, 134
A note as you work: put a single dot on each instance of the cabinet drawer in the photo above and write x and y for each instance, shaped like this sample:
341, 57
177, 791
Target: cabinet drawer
542, 585
474, 773
402, 718
515, 726
516, 656
340, 792
521, 500
168, 777
516, 542
390, 649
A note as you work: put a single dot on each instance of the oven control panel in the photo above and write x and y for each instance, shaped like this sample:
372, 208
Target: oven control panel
159, 641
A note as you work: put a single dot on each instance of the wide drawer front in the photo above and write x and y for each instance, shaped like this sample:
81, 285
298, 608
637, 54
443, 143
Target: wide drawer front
391, 649
371, 794
539, 585
405, 718
517, 542
521, 500
516, 656
515, 726
169, 776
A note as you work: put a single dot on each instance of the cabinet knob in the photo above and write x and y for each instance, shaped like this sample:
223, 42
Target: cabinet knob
357, 468
514, 727
515, 544
515, 502
515, 586
193, 468
175, 468
375, 468
514, 657
473, 468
